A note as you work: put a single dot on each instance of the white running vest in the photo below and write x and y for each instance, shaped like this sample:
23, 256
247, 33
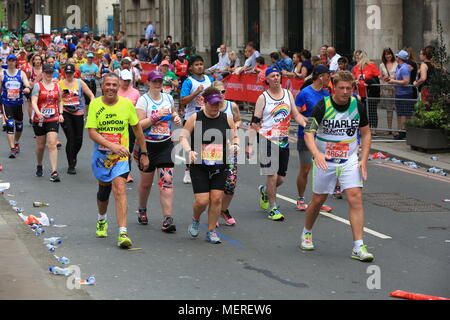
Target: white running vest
198, 103
276, 119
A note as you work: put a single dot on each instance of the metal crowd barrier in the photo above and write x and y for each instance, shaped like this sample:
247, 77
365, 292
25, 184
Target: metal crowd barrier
384, 112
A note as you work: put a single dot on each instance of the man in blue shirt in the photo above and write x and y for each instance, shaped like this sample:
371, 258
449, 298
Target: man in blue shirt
403, 92
286, 62
305, 102
150, 31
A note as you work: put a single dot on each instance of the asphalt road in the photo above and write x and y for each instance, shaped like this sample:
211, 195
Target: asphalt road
259, 259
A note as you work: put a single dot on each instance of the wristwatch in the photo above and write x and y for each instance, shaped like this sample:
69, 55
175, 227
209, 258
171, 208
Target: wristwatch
143, 153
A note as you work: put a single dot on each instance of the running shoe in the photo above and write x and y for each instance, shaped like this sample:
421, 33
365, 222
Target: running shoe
307, 243
229, 220
123, 241
13, 153
55, 177
142, 219
301, 204
263, 200
194, 228
17, 147
362, 254
102, 229
212, 237
39, 171
326, 208
168, 225
276, 215
187, 177
338, 193
71, 171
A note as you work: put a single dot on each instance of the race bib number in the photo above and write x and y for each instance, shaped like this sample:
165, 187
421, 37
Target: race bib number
48, 112
114, 138
280, 132
13, 93
212, 154
161, 129
338, 150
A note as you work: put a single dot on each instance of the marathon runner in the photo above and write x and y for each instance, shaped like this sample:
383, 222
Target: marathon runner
208, 156
191, 94
89, 73
332, 137
231, 109
35, 77
305, 102
47, 114
108, 120
272, 119
127, 91
156, 112
71, 94
5, 51
14, 83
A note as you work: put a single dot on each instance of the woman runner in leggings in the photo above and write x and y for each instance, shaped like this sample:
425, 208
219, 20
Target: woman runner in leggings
71, 99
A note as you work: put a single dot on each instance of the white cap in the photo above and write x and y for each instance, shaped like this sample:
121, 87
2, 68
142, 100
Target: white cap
126, 75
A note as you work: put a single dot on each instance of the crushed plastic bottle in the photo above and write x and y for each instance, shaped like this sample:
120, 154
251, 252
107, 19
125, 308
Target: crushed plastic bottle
39, 232
435, 158
394, 160
378, 156
51, 248
12, 203
435, 170
60, 271
89, 281
62, 260
444, 174
53, 241
38, 204
18, 210
411, 164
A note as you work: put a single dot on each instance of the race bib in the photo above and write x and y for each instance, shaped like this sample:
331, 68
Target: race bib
338, 150
212, 154
48, 112
161, 129
13, 93
115, 138
280, 132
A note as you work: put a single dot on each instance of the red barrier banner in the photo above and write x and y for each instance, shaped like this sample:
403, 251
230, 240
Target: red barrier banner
249, 86
146, 69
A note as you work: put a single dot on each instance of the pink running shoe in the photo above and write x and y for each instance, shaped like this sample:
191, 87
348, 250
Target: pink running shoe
229, 220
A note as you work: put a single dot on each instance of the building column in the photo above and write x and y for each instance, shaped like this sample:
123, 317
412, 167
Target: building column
378, 25
317, 25
272, 19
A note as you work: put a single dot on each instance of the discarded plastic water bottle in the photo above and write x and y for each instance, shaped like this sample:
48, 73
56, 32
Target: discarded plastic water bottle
396, 161
12, 203
435, 158
53, 241
51, 248
18, 210
62, 260
444, 174
36, 226
39, 231
52, 221
89, 281
38, 204
60, 271
411, 165
435, 170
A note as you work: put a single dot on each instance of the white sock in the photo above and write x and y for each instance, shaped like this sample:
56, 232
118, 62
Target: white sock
273, 206
102, 218
305, 231
122, 230
358, 244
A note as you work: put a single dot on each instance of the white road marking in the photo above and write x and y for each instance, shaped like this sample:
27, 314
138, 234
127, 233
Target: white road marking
329, 215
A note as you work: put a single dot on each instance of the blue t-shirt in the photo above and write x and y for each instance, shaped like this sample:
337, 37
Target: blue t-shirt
306, 101
87, 69
402, 73
287, 64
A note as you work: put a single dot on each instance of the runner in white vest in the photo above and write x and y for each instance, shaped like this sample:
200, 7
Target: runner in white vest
332, 137
191, 99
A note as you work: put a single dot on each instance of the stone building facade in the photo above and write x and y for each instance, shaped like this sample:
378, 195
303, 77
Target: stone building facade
346, 24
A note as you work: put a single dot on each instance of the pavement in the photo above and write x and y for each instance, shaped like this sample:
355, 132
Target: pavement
25, 261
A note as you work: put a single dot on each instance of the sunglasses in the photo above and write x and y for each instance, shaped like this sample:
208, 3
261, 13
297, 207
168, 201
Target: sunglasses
223, 91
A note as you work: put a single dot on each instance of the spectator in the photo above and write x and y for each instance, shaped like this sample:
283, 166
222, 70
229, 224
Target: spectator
143, 51
388, 67
276, 60
403, 92
252, 54
414, 69
261, 68
150, 31
344, 64
235, 63
286, 62
333, 58
221, 67
323, 55
366, 74
307, 63
427, 70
